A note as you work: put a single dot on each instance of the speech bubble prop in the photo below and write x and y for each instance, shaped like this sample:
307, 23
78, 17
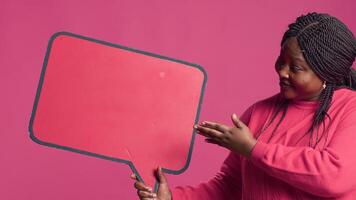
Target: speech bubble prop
117, 103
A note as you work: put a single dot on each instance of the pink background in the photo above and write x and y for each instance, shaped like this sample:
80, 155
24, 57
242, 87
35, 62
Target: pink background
235, 41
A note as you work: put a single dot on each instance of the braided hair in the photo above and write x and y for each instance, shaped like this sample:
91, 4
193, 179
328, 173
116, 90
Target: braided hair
329, 48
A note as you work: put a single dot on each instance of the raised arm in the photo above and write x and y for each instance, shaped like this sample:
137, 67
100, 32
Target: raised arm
227, 183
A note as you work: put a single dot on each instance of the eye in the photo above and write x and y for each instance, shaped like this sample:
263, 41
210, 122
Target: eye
296, 68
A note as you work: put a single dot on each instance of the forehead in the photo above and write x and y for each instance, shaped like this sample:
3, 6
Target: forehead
291, 48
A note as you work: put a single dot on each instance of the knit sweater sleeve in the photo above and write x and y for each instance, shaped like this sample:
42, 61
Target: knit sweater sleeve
330, 172
225, 185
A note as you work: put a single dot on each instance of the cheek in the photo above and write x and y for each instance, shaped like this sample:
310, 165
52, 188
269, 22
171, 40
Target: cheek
307, 84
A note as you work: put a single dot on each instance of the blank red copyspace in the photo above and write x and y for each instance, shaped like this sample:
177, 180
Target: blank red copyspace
117, 103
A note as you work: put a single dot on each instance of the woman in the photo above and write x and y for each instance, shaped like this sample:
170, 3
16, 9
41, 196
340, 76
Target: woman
299, 143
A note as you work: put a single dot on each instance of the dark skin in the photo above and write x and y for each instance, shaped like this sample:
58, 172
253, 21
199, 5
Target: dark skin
297, 81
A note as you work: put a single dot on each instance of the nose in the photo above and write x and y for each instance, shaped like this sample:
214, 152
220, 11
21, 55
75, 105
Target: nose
283, 72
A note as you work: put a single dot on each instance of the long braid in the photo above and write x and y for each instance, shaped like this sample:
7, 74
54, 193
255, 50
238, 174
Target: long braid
280, 105
284, 108
324, 104
329, 47
352, 79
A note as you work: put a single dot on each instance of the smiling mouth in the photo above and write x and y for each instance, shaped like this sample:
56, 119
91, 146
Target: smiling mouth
282, 84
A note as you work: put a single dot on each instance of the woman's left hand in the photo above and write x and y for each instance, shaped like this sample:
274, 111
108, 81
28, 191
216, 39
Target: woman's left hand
237, 138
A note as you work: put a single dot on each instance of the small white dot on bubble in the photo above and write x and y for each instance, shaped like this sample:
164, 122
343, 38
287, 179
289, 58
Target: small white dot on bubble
162, 74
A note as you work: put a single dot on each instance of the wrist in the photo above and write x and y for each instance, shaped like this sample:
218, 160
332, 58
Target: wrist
249, 147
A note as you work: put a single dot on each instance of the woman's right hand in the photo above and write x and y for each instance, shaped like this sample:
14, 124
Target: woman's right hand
146, 193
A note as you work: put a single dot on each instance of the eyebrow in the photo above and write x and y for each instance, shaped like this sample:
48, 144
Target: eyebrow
298, 58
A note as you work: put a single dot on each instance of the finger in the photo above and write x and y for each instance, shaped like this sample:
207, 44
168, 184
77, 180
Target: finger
161, 177
145, 194
133, 176
149, 198
236, 121
141, 186
212, 141
216, 126
208, 132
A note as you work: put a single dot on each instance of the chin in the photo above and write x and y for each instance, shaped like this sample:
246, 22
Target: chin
288, 94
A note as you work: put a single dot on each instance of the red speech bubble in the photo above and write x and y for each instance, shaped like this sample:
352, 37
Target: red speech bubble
117, 103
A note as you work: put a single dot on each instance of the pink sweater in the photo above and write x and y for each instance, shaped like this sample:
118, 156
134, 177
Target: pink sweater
286, 167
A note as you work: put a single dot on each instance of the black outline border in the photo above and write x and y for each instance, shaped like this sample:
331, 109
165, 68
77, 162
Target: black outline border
33, 114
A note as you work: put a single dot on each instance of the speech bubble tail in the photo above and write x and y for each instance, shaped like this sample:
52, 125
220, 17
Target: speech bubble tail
146, 172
